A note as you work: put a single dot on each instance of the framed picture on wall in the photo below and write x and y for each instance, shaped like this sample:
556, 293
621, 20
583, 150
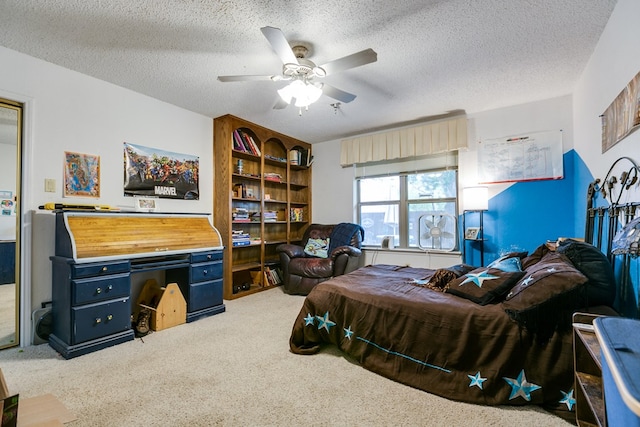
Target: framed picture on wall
472, 233
146, 204
81, 175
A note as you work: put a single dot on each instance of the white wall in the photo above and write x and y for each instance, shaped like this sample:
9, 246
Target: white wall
615, 61
69, 111
546, 115
333, 190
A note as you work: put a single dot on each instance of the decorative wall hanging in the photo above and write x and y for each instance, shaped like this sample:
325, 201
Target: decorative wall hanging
622, 117
81, 175
159, 173
526, 157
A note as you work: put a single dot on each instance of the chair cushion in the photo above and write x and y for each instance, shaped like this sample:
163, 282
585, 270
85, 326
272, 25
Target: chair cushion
311, 267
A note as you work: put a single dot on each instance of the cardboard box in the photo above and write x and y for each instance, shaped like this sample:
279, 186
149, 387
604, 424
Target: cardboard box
45, 410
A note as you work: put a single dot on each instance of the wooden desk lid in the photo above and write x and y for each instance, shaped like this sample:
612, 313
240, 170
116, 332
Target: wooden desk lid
116, 235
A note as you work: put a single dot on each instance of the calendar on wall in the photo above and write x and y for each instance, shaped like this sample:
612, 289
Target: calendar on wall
525, 157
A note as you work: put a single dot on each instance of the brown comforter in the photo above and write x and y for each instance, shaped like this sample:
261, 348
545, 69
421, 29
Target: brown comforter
435, 341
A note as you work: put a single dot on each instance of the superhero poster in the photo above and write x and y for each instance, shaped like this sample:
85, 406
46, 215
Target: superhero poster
159, 173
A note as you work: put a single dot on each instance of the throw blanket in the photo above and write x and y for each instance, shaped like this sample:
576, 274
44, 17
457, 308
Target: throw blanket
342, 234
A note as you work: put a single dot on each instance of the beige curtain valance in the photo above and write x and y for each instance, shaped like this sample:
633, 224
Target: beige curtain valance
422, 140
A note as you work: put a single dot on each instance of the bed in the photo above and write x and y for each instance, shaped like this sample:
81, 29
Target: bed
495, 335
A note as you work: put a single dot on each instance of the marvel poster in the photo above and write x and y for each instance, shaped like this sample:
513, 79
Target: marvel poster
158, 173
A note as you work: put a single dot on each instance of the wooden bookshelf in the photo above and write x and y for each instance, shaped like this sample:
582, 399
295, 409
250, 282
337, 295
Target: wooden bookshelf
260, 198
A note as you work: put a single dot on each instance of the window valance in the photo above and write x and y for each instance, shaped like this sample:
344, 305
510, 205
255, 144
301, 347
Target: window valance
421, 140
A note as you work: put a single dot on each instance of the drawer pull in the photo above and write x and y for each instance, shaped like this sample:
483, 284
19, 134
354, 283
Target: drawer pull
110, 288
104, 268
109, 316
98, 320
208, 256
204, 272
98, 290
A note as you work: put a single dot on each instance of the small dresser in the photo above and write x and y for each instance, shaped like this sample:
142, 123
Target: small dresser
96, 255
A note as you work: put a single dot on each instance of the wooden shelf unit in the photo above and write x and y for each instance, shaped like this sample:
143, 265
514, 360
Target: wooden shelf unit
590, 407
272, 184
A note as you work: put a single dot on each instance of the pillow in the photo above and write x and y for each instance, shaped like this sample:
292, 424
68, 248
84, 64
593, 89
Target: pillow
545, 298
591, 262
317, 247
460, 269
484, 285
535, 256
510, 264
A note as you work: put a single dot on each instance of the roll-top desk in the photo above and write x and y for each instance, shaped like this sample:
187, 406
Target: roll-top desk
97, 252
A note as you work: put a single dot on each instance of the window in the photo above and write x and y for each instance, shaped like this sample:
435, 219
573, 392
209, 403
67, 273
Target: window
391, 205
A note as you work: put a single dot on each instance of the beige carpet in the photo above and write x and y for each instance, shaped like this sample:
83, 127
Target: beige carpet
235, 369
7, 314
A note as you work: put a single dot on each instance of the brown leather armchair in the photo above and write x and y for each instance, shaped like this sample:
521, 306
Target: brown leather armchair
301, 271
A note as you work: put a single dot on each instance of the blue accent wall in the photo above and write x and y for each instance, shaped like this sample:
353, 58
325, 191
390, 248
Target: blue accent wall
528, 213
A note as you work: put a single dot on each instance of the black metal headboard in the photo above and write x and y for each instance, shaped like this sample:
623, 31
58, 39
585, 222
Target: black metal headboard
608, 211
604, 219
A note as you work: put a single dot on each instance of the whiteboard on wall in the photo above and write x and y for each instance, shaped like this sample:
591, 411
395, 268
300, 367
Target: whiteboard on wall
526, 157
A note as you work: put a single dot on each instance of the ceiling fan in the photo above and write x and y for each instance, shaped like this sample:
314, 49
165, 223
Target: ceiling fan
302, 73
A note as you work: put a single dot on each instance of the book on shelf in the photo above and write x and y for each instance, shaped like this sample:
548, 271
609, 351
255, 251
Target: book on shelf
275, 158
272, 176
244, 142
240, 214
270, 216
272, 276
300, 156
240, 238
296, 214
240, 190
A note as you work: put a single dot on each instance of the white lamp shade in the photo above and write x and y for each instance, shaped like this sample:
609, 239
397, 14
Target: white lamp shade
475, 198
304, 93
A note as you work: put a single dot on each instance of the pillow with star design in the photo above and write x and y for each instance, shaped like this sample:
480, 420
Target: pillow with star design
484, 285
545, 298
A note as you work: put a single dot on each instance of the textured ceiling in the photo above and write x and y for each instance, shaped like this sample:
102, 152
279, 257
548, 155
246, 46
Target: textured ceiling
434, 56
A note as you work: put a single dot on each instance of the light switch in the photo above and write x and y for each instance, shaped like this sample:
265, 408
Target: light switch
49, 185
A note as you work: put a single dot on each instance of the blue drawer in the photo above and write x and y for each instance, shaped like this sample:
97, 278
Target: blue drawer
206, 272
100, 288
204, 295
206, 256
98, 320
99, 269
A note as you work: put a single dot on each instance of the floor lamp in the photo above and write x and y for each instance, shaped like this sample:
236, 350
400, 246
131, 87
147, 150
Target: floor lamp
475, 199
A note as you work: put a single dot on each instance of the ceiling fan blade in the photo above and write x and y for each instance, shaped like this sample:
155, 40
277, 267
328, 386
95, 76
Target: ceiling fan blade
280, 104
335, 93
280, 45
366, 56
243, 78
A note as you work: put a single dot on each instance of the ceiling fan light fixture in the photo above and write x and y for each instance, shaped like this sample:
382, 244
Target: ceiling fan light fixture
304, 92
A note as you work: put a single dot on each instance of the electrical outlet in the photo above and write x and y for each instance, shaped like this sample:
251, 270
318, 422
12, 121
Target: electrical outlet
49, 185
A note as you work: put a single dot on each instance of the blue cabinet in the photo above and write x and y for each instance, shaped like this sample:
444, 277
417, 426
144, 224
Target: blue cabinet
7, 262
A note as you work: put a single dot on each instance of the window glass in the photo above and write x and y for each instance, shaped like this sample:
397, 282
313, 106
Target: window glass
379, 220
385, 188
393, 205
432, 185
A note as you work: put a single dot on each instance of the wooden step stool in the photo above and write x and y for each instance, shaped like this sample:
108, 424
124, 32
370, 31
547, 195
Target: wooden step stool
168, 306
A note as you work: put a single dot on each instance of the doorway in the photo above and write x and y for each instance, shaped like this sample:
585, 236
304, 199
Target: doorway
10, 192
